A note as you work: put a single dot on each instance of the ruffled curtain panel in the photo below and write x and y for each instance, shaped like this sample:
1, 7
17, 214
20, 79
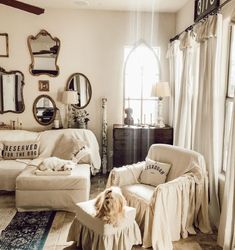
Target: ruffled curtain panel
198, 97
226, 234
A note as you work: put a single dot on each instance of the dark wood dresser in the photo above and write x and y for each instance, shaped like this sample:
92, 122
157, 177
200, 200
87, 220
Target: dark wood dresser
131, 144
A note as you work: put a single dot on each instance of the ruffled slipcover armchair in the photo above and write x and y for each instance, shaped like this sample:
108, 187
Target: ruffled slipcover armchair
174, 208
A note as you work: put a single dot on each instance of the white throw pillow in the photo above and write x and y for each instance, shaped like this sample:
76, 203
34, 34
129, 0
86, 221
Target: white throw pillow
68, 147
83, 156
154, 172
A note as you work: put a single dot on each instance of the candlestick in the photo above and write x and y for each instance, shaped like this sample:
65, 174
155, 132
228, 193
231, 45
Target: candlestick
151, 118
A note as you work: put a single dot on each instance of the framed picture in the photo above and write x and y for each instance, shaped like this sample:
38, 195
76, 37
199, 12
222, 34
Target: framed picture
4, 48
204, 7
43, 85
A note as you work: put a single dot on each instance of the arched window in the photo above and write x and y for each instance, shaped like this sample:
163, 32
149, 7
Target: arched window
141, 71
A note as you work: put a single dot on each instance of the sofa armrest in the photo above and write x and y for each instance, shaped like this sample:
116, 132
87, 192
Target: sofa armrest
125, 175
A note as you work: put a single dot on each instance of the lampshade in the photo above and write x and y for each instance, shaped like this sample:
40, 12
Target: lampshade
161, 89
70, 97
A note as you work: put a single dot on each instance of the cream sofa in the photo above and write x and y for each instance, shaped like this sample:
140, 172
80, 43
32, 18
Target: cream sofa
47, 192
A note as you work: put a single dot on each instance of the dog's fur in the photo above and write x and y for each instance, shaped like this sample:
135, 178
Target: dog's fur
55, 164
109, 206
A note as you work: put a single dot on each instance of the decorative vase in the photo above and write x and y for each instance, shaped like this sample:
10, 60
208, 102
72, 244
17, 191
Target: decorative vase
81, 125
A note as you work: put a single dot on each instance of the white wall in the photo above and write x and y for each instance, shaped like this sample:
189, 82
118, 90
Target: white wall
185, 17
92, 43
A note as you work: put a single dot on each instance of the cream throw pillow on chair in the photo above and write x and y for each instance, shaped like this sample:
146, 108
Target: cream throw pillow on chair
154, 172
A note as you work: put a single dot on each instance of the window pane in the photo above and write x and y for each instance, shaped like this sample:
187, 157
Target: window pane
133, 86
149, 112
231, 76
141, 72
136, 107
228, 125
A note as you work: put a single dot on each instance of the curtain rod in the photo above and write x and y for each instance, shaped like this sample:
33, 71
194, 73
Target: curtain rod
191, 26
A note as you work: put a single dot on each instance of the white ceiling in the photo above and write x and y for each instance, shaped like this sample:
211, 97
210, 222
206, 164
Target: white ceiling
140, 5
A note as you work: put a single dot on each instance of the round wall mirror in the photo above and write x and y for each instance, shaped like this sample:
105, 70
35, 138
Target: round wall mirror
44, 110
80, 83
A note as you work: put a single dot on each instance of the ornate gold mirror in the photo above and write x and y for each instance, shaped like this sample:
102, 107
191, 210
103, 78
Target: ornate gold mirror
11, 91
44, 110
44, 50
80, 83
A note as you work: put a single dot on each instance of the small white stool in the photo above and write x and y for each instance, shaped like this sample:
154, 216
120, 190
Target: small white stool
92, 233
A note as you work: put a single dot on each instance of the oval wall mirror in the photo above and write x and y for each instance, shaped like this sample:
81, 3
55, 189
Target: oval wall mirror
44, 51
44, 110
11, 91
80, 83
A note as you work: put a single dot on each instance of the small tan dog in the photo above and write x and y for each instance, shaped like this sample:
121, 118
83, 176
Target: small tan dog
109, 206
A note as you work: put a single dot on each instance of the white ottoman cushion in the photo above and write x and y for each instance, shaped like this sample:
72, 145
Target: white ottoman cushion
52, 192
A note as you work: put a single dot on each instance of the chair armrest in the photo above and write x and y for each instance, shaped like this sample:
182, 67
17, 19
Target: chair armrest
125, 175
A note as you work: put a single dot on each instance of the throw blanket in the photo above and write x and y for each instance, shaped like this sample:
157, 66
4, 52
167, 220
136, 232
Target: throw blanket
52, 173
187, 199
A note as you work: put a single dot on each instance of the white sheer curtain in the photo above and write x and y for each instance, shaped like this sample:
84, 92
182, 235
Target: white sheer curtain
197, 121
209, 123
174, 55
226, 235
184, 126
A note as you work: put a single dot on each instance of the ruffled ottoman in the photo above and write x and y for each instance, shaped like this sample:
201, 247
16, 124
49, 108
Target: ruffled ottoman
91, 233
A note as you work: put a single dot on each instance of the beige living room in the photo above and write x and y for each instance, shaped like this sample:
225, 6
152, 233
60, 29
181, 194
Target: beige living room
117, 124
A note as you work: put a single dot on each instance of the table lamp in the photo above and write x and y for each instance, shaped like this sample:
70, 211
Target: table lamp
68, 98
160, 90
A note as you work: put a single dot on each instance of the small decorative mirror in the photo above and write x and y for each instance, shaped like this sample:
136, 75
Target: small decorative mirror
44, 50
44, 109
80, 83
11, 91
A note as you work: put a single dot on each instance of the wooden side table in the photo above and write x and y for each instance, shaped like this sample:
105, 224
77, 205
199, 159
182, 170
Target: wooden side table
131, 144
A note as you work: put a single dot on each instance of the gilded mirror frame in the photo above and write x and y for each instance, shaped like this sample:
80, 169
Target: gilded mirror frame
89, 87
4, 36
35, 111
2, 70
31, 66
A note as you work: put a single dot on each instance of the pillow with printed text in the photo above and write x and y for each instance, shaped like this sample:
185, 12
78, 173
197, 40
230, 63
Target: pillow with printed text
20, 150
154, 172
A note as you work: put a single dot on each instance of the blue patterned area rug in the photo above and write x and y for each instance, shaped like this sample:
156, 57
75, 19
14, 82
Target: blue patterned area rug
27, 231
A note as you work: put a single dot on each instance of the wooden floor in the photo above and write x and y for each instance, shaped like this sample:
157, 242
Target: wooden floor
59, 230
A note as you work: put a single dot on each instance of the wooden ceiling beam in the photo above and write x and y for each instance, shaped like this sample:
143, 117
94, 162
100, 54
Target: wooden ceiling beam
23, 6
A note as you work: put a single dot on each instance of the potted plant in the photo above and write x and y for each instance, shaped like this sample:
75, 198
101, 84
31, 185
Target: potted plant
80, 117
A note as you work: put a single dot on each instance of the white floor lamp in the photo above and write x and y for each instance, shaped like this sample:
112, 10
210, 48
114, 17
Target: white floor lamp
160, 90
68, 98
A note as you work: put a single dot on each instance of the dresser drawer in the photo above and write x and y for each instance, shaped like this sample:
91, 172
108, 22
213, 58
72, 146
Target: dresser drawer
164, 136
131, 144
